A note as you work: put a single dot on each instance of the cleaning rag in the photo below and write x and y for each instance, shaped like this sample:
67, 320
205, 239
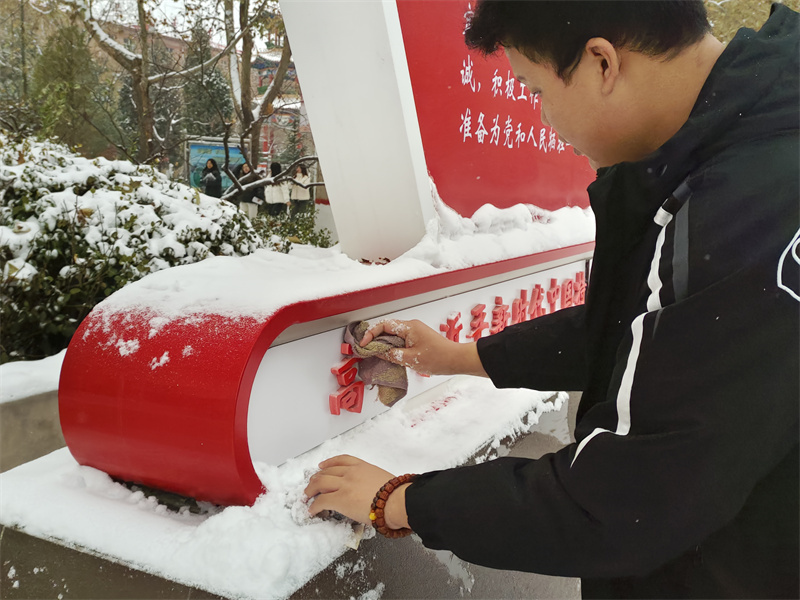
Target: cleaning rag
391, 379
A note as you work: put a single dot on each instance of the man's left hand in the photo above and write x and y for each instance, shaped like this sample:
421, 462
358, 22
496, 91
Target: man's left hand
347, 485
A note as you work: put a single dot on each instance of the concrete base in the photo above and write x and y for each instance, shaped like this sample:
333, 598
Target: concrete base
29, 428
45, 570
325, 221
381, 568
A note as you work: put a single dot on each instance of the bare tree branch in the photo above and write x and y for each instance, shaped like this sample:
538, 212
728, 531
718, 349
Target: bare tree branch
126, 59
106, 138
281, 177
275, 85
210, 63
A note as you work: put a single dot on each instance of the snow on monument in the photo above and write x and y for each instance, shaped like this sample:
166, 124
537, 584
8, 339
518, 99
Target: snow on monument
182, 380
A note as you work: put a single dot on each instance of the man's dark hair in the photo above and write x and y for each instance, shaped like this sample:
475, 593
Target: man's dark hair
555, 32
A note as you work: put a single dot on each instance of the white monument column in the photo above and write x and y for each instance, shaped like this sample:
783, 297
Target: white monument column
352, 69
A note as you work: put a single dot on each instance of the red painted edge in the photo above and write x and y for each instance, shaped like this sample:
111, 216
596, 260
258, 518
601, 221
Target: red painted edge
312, 310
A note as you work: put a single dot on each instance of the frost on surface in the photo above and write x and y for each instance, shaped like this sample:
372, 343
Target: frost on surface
126, 348
160, 361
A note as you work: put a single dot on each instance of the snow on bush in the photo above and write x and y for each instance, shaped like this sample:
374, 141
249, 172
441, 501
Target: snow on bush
74, 230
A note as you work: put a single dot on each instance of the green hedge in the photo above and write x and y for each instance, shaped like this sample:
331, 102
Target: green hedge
74, 230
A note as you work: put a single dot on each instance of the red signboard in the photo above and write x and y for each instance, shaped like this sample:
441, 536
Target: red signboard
481, 129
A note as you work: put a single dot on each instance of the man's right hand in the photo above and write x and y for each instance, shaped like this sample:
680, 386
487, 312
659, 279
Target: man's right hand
426, 350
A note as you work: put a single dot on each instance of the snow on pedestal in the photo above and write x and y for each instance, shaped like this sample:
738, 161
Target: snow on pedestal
274, 547
182, 380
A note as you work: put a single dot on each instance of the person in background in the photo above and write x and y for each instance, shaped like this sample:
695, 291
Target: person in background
276, 195
248, 200
683, 479
301, 196
211, 178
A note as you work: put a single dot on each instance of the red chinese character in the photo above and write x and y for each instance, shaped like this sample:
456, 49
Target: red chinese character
452, 329
349, 398
500, 316
345, 370
350, 395
519, 308
478, 323
552, 295
537, 297
567, 293
580, 288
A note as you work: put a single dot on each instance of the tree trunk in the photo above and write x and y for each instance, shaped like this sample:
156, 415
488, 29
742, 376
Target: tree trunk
141, 86
233, 62
265, 109
247, 59
255, 146
22, 50
247, 89
144, 115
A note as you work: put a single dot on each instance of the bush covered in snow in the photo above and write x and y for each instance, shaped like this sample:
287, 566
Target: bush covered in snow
74, 230
281, 232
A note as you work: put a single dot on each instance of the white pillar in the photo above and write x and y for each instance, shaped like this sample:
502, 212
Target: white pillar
352, 68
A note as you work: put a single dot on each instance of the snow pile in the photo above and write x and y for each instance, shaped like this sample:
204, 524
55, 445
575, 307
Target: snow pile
271, 549
122, 209
494, 234
264, 281
22, 379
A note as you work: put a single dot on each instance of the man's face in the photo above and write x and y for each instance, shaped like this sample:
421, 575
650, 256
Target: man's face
571, 109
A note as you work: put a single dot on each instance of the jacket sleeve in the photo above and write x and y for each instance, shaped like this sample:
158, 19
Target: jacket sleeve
546, 353
701, 407
712, 409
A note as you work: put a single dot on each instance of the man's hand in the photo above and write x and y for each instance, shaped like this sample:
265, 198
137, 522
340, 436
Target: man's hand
347, 485
426, 350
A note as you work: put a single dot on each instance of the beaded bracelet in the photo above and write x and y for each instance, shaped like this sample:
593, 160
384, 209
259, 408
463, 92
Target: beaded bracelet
378, 504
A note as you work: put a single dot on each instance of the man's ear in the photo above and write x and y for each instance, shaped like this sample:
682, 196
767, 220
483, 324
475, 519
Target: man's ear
605, 60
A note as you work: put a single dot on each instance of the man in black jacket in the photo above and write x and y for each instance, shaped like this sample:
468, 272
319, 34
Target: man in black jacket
683, 481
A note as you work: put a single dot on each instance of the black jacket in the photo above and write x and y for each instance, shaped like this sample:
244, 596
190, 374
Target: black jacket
684, 478
212, 181
254, 195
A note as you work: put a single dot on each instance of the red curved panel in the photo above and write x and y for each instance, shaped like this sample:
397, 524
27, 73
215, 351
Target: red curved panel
160, 410
167, 407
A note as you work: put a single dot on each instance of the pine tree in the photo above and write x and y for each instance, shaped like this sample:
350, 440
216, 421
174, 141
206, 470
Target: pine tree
21, 34
293, 146
207, 95
167, 111
64, 81
18, 50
